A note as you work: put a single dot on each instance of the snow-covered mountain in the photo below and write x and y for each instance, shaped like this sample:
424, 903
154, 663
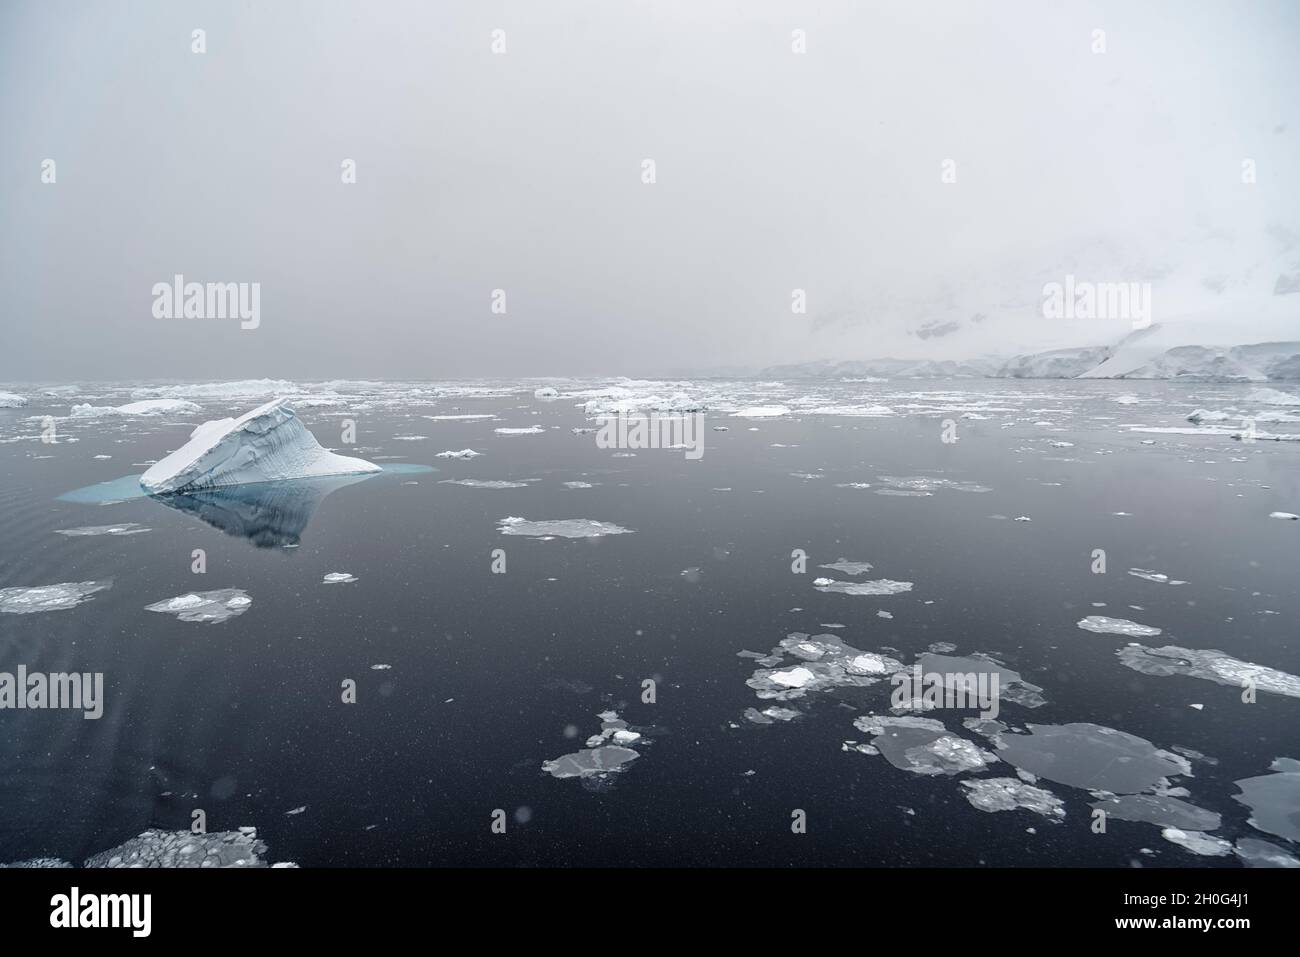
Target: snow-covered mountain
1212, 306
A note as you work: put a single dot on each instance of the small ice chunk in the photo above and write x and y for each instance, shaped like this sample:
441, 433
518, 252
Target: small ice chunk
337, 578
794, 678
1288, 516
530, 430
462, 454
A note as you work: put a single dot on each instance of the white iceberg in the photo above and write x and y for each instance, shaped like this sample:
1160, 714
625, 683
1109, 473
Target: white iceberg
1266, 396
268, 444
462, 454
10, 401
145, 407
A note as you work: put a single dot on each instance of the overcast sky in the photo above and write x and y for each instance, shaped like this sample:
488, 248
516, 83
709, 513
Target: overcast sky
523, 171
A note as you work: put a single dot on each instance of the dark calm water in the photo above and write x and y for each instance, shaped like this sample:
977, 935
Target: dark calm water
244, 719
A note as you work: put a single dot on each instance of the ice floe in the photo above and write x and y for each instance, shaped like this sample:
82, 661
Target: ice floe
827, 662
1159, 810
1286, 516
598, 759
1256, 853
1200, 844
338, 578
1008, 794
25, 601
1212, 665
146, 407
1274, 800
9, 400
848, 568
125, 528
922, 745
530, 430
268, 444
1266, 396
462, 454
623, 402
241, 389
205, 606
952, 674
882, 586
1153, 576
927, 483
484, 483
1091, 756
1102, 625
155, 848
560, 528
771, 715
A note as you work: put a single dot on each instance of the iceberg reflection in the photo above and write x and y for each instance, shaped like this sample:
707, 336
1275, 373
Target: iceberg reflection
268, 514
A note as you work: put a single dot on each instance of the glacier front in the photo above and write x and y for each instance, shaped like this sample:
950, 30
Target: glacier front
268, 444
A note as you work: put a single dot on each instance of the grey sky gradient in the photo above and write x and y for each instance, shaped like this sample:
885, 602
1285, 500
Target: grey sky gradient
523, 172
